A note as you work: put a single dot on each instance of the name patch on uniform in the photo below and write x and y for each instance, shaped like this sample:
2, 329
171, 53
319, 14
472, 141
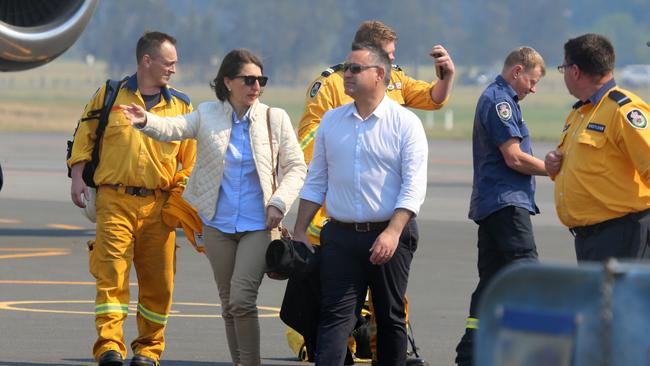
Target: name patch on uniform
398, 85
314, 89
637, 119
504, 111
596, 127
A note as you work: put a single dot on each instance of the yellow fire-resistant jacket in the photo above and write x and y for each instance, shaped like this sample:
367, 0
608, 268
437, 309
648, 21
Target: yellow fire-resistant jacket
605, 169
127, 156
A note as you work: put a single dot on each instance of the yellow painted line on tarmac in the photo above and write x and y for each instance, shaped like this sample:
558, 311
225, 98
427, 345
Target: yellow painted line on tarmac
267, 311
33, 252
39, 282
8, 221
64, 226
5, 249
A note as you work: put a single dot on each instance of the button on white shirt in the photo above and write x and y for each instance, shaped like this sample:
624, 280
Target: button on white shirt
366, 169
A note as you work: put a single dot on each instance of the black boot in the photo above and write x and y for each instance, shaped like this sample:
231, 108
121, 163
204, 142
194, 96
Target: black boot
110, 358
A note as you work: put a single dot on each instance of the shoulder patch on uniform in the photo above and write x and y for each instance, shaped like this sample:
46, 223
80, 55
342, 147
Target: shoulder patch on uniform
180, 95
332, 69
314, 89
637, 119
504, 111
593, 126
619, 97
396, 67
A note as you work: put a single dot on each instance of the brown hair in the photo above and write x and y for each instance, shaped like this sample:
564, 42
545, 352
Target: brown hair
375, 32
526, 57
150, 42
230, 67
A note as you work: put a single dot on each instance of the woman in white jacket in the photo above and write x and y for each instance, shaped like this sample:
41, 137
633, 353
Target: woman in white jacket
233, 188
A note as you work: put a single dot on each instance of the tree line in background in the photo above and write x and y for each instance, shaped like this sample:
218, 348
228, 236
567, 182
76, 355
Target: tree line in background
296, 35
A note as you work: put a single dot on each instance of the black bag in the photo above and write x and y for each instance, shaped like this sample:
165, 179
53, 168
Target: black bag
289, 258
112, 88
0, 177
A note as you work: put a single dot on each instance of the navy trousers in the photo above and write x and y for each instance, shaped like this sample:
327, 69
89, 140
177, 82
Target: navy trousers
504, 237
346, 273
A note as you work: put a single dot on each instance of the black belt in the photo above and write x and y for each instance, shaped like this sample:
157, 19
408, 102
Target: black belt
133, 191
361, 227
589, 230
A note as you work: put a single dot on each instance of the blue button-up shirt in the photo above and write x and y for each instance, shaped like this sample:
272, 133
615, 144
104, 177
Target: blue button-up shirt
367, 168
497, 119
240, 206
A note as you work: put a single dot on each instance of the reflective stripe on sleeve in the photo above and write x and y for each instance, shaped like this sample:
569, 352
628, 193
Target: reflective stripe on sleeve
313, 230
308, 138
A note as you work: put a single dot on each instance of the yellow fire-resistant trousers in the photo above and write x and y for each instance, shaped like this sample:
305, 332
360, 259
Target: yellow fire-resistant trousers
130, 230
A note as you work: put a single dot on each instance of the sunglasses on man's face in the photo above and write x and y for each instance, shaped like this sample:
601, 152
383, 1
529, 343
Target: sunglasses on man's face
357, 68
250, 79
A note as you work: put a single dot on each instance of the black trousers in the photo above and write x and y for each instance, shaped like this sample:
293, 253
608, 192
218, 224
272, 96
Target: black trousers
346, 273
504, 237
623, 237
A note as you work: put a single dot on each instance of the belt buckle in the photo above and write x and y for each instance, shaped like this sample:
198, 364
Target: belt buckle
362, 227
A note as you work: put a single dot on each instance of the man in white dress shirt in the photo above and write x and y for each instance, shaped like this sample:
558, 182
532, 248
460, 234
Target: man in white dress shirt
370, 164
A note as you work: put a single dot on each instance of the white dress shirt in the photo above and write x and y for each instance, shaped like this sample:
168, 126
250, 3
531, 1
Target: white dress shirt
366, 169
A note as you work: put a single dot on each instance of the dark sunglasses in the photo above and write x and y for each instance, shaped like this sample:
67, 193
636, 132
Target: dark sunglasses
250, 79
357, 68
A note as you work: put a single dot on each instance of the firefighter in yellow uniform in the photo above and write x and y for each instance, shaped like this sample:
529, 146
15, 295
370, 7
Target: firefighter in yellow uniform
327, 92
133, 181
601, 167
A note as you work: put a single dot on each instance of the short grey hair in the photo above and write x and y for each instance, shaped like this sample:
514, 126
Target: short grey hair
378, 56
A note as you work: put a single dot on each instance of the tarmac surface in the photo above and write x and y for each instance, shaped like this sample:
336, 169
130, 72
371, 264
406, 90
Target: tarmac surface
47, 294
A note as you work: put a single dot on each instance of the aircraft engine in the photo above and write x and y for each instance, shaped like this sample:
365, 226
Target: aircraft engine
34, 32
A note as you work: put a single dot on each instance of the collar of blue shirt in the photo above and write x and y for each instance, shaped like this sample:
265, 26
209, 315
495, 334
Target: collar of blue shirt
378, 112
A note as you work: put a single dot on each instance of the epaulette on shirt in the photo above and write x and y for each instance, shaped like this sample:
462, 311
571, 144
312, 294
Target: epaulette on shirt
619, 97
396, 67
180, 95
332, 69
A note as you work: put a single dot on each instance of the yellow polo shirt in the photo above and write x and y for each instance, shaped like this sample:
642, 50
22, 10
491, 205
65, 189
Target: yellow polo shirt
605, 170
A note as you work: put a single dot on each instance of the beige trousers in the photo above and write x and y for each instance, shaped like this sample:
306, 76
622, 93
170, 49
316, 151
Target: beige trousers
239, 263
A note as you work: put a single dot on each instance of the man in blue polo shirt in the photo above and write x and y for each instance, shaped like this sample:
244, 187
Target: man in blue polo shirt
504, 187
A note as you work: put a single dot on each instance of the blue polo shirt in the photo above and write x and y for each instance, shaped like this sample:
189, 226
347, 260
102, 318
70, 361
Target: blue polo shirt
497, 119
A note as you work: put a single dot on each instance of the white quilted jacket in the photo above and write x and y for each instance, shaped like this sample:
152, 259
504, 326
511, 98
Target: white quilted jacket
210, 125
